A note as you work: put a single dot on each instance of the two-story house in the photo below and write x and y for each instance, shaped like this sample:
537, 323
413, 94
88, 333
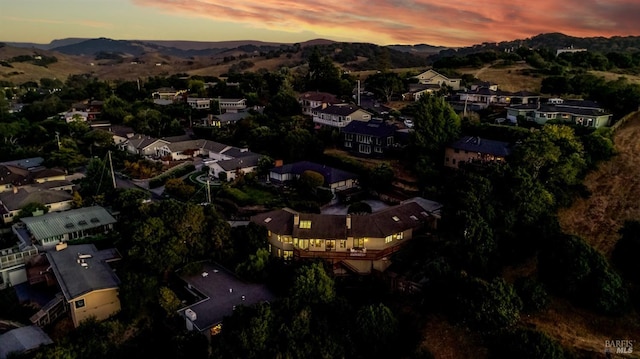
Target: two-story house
339, 115
232, 104
371, 138
358, 243
579, 112
432, 77
314, 99
199, 103
470, 149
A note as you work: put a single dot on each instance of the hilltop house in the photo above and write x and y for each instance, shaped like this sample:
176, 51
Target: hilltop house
339, 115
371, 138
245, 162
167, 95
314, 99
199, 103
358, 243
57, 227
334, 179
418, 90
470, 149
432, 77
13, 174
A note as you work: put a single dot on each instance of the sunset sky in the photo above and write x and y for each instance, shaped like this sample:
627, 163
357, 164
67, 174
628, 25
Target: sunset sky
435, 22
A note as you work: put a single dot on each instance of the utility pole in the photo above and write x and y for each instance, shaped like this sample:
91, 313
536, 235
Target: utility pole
208, 190
58, 139
113, 176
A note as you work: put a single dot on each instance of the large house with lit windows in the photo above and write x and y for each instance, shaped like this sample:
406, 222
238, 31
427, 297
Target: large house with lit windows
352, 243
339, 115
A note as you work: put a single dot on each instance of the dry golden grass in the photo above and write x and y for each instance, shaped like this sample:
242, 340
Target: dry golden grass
610, 76
615, 189
509, 78
447, 341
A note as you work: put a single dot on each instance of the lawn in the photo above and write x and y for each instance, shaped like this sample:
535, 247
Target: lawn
249, 195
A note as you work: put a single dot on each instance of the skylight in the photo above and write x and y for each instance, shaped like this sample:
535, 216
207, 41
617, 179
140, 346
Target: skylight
267, 220
413, 217
395, 218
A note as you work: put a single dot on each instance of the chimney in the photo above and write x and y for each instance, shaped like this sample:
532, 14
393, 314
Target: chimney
296, 219
348, 221
15, 189
278, 163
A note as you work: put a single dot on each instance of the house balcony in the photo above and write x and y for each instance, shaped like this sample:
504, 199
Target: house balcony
328, 122
351, 253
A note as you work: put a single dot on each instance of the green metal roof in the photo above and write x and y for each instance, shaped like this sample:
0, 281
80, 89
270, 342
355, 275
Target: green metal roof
58, 223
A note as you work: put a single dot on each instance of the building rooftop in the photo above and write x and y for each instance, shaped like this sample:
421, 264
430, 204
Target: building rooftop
324, 97
339, 110
223, 292
375, 128
55, 224
477, 144
331, 175
250, 160
81, 269
15, 201
25, 163
21, 339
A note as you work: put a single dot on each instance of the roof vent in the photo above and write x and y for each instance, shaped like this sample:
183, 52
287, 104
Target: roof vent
69, 225
95, 220
82, 223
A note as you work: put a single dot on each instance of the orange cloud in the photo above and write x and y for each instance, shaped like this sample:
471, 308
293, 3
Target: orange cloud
451, 22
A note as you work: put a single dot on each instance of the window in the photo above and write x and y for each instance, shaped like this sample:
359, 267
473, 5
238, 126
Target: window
388, 239
305, 224
364, 148
348, 144
398, 235
389, 141
358, 242
301, 243
286, 239
288, 255
378, 149
80, 303
348, 136
343, 243
316, 243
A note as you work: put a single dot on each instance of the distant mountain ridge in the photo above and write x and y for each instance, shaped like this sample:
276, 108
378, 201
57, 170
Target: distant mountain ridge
178, 48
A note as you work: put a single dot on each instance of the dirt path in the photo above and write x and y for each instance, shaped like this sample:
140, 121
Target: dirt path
615, 190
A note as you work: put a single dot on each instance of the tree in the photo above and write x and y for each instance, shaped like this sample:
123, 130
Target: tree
381, 177
311, 180
169, 301
29, 209
254, 267
377, 330
247, 333
487, 305
359, 208
115, 109
313, 285
384, 85
178, 189
525, 344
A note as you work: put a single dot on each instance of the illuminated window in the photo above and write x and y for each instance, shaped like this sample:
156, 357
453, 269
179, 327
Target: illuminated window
398, 235
286, 239
343, 243
80, 303
305, 224
288, 255
388, 239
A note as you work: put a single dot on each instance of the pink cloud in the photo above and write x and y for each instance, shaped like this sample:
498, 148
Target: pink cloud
452, 22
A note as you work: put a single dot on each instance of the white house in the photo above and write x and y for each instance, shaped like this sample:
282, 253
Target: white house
432, 77
232, 104
339, 115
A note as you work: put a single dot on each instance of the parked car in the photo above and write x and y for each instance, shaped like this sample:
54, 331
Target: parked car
408, 123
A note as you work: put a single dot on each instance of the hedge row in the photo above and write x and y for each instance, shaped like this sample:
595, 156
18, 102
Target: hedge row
173, 173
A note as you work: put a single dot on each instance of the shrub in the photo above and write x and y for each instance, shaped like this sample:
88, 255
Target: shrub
172, 173
359, 208
534, 296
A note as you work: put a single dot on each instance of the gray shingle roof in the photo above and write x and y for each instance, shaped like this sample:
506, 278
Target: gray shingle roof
477, 144
331, 175
55, 224
15, 201
22, 339
339, 110
242, 162
76, 280
375, 128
